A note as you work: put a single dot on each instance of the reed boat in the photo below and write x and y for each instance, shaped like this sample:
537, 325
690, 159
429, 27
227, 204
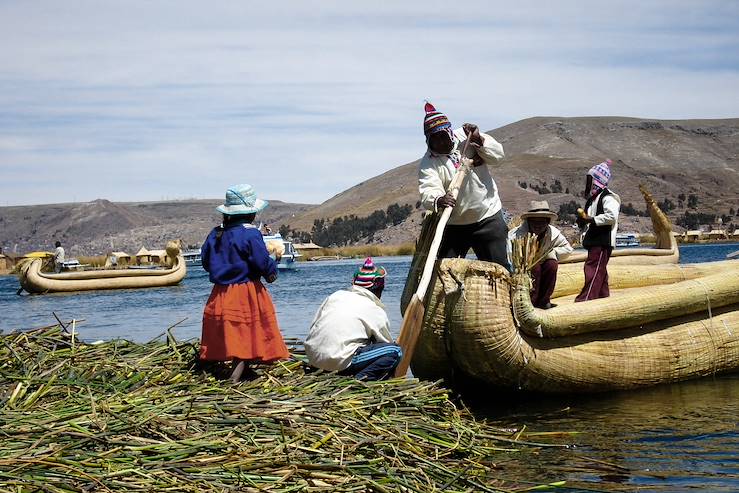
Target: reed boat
664, 322
480, 324
33, 280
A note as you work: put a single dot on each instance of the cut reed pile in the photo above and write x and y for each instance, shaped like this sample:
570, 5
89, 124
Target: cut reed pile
119, 416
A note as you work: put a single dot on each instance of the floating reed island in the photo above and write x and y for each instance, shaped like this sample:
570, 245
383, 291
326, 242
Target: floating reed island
120, 416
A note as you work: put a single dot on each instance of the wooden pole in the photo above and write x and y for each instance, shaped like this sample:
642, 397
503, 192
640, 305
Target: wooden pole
414, 312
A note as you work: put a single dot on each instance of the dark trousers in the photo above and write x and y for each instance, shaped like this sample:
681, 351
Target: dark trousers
545, 277
488, 239
374, 361
596, 274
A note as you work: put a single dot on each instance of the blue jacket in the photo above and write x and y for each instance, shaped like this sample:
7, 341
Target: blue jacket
240, 255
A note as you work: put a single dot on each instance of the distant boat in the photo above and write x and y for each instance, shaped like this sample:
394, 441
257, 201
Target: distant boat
327, 257
287, 261
33, 280
192, 257
627, 240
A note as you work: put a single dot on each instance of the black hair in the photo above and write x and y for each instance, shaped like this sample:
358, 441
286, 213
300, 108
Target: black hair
58, 244
231, 219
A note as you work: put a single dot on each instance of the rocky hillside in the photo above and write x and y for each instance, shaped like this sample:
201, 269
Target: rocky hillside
546, 158
102, 226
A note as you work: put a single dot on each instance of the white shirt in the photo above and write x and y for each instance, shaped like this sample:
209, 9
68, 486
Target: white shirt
346, 321
478, 198
560, 247
611, 208
58, 255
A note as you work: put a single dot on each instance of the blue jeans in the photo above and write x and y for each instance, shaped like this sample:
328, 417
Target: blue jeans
374, 361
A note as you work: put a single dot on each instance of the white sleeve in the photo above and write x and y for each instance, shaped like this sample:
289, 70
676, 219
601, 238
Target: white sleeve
611, 207
491, 150
379, 333
430, 185
560, 245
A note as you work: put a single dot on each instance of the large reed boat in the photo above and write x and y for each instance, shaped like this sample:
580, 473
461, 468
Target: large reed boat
662, 323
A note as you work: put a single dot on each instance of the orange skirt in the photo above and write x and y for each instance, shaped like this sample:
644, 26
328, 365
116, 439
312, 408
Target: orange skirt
239, 321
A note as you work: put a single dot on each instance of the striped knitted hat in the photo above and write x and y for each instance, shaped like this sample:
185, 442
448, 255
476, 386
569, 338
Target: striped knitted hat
434, 121
369, 275
601, 173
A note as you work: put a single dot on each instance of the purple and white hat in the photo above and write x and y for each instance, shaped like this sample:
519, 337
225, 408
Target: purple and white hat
601, 173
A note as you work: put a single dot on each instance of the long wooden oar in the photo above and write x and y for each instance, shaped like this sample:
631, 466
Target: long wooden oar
414, 312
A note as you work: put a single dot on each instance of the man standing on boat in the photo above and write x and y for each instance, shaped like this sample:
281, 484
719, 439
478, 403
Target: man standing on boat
58, 256
477, 219
544, 274
599, 221
351, 331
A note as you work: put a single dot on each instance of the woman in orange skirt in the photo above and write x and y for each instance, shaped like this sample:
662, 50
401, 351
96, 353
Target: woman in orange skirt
239, 321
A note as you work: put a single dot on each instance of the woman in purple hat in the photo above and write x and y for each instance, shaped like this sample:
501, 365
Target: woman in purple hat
600, 223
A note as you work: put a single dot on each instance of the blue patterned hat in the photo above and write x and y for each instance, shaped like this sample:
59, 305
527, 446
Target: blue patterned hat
241, 199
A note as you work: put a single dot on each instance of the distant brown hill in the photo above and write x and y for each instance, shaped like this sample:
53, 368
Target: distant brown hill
102, 226
671, 157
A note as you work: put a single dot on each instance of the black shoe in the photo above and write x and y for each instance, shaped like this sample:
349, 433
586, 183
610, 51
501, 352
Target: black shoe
548, 306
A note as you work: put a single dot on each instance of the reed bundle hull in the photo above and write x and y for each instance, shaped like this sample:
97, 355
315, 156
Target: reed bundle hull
471, 330
34, 281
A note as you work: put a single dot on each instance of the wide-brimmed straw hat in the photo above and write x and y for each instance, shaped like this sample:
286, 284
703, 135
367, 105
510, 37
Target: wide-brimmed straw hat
241, 199
539, 208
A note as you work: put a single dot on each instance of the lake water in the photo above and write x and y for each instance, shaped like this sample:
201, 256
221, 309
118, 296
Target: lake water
680, 437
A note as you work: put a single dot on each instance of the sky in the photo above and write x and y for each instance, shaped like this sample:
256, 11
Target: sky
168, 100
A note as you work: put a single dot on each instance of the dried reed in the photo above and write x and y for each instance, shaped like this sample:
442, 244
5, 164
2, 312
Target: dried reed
124, 416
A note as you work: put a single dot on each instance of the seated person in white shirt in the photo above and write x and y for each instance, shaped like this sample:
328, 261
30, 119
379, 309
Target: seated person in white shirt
351, 331
544, 274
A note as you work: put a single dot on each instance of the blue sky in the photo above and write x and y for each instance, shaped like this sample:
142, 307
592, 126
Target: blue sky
155, 100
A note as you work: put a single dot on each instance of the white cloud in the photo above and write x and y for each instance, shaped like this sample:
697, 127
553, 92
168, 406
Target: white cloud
305, 100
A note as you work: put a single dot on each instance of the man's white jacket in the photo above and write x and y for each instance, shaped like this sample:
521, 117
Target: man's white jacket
555, 242
347, 320
478, 198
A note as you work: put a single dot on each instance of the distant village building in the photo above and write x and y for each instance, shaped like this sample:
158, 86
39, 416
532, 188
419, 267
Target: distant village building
693, 235
158, 256
143, 256
118, 258
717, 234
306, 246
4, 262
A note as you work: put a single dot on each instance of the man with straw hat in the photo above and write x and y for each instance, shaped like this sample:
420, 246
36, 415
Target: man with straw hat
477, 219
599, 221
351, 331
537, 221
